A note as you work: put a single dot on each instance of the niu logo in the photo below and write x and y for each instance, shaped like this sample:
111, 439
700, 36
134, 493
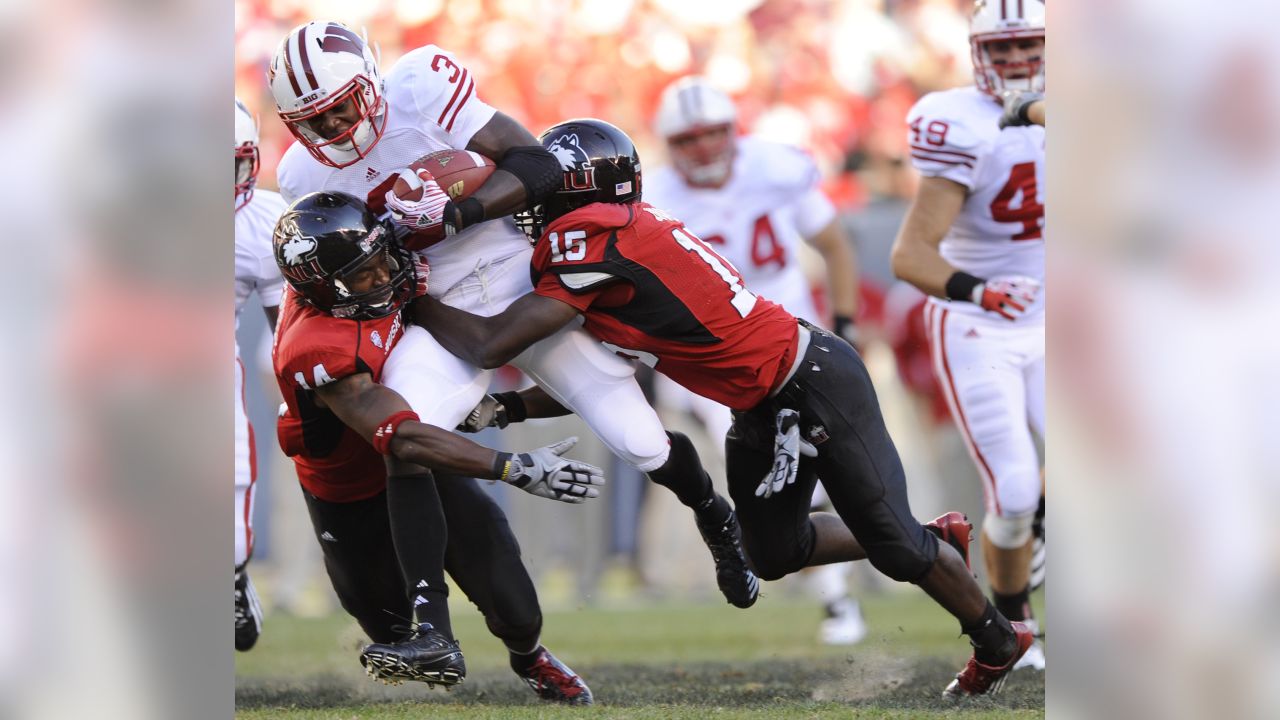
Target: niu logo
578, 172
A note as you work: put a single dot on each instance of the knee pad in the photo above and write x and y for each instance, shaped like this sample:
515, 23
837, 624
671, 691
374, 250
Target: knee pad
1008, 533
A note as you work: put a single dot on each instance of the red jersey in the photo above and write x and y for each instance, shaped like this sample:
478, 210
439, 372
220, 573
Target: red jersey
650, 289
312, 349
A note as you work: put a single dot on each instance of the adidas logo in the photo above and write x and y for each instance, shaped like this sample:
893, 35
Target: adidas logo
973, 333
328, 537
371, 173
419, 600
423, 583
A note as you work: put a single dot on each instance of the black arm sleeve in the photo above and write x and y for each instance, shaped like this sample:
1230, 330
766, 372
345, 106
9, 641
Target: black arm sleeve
538, 170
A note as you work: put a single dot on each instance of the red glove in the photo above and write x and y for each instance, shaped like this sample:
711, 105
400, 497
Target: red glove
1008, 297
421, 271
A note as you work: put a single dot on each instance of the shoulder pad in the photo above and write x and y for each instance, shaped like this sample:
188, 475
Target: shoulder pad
947, 132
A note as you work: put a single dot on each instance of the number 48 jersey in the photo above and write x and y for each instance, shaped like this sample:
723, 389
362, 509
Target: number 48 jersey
651, 290
955, 134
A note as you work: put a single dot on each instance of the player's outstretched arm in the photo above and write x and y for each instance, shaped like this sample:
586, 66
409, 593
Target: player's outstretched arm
490, 342
377, 412
915, 256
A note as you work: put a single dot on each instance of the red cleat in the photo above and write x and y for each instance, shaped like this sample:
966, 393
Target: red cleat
954, 529
553, 680
979, 679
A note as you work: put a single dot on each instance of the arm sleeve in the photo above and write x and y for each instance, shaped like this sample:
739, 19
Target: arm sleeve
444, 94
942, 142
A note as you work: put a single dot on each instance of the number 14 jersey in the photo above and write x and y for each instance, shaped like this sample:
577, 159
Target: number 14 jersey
955, 134
651, 290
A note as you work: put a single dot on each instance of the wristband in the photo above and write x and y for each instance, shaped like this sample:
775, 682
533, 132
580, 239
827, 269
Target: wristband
514, 405
961, 284
471, 212
387, 430
502, 465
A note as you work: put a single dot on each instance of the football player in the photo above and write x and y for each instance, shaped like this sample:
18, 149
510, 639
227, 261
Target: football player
803, 402
340, 323
974, 241
255, 214
756, 202
355, 132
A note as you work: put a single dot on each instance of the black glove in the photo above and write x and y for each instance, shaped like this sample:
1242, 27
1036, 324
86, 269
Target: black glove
845, 328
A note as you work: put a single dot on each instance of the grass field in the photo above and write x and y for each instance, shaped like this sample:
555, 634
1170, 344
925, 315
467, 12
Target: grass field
669, 661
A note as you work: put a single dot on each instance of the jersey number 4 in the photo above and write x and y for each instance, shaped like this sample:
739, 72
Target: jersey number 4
765, 248
1029, 211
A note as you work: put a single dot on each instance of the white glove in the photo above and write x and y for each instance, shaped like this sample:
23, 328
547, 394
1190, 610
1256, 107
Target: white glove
787, 449
421, 214
1016, 103
544, 473
488, 413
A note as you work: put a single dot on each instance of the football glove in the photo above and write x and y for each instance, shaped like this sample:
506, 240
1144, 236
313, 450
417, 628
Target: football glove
421, 272
787, 449
489, 412
844, 327
1016, 103
544, 473
423, 214
1008, 297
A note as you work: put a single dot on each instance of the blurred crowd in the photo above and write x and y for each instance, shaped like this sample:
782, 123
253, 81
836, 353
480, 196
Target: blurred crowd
835, 76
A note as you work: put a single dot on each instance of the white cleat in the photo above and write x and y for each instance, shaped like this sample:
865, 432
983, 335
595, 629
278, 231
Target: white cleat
1034, 657
844, 624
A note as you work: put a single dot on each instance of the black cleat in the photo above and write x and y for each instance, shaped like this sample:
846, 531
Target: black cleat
740, 586
425, 656
248, 612
554, 681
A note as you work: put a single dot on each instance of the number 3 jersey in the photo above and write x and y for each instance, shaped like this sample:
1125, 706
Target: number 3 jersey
955, 134
432, 104
311, 349
651, 290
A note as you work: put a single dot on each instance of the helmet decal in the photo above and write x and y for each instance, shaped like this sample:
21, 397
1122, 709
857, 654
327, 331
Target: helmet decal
298, 249
578, 172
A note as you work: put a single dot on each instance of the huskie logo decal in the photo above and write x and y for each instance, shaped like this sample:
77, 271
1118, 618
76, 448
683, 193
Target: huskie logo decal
297, 255
578, 173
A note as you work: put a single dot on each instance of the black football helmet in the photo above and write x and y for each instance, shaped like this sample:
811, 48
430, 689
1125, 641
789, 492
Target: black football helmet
324, 237
600, 164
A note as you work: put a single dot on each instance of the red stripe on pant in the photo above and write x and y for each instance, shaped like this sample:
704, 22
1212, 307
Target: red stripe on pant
953, 399
253, 470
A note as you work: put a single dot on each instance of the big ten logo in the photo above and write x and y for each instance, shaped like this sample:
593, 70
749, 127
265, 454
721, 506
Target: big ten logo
572, 249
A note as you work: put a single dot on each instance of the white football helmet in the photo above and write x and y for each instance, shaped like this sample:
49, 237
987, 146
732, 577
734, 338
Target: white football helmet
319, 67
1006, 20
697, 121
246, 155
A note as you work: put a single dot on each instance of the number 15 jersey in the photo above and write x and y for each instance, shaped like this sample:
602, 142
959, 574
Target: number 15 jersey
651, 290
955, 134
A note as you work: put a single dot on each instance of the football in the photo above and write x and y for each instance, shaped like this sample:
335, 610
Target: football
459, 173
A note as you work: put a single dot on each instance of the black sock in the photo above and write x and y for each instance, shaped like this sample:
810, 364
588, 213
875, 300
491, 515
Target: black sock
419, 532
521, 662
992, 637
1016, 606
684, 475
713, 511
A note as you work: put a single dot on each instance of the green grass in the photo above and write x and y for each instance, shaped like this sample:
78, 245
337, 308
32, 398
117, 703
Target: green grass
667, 661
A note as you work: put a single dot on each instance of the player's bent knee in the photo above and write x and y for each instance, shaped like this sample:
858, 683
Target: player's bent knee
1008, 533
902, 559
521, 631
772, 560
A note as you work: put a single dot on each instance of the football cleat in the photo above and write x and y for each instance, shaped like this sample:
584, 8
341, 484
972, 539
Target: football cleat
954, 529
1034, 657
554, 681
425, 656
844, 624
740, 586
248, 612
979, 679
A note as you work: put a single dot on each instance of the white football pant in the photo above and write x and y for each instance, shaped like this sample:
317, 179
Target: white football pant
246, 472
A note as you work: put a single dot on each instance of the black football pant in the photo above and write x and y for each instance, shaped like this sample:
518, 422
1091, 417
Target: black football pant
482, 556
857, 461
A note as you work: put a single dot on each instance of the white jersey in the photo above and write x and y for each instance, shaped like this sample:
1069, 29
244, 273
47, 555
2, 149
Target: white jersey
432, 104
955, 134
256, 269
758, 219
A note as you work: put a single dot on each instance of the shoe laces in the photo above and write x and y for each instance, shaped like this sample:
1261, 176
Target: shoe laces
547, 671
